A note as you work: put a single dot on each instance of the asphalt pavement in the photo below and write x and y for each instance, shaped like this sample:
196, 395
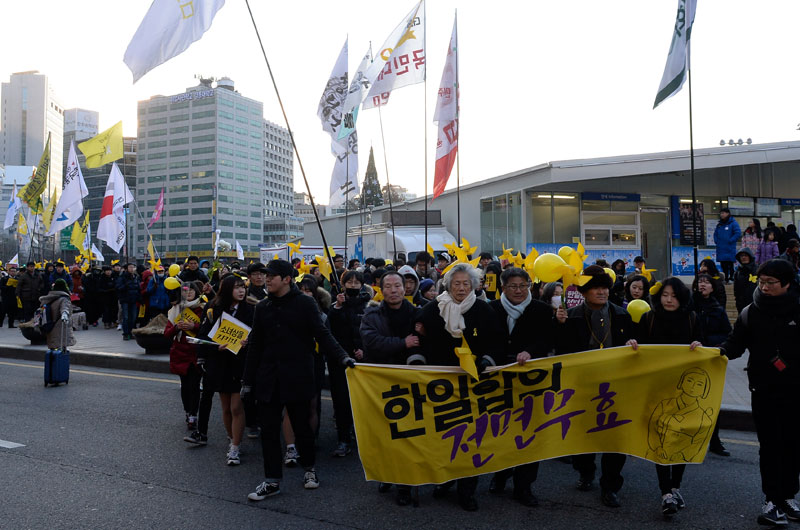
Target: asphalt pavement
106, 451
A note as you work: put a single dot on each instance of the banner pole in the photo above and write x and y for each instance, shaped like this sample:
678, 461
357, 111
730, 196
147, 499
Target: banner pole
425, 121
691, 173
388, 184
294, 144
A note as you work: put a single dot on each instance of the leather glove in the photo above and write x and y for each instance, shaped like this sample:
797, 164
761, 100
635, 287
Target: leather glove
348, 362
245, 391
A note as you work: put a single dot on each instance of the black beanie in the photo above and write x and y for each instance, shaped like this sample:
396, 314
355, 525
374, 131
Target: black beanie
780, 269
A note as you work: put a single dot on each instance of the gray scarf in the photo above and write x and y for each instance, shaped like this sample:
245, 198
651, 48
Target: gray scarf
514, 311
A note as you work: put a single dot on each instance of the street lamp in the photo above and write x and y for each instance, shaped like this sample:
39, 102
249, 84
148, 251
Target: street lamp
738, 142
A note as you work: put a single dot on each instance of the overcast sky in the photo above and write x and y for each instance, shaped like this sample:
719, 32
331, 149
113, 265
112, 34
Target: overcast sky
540, 80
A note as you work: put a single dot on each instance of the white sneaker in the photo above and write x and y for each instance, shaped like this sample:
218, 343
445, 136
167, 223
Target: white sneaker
310, 480
233, 457
669, 505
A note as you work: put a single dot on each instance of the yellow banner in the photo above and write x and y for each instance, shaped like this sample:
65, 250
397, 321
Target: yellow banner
31, 193
424, 426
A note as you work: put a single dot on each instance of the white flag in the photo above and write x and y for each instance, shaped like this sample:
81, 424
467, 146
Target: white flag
345, 169
70, 207
678, 58
404, 61
111, 228
14, 260
97, 255
168, 28
359, 85
446, 115
239, 250
13, 207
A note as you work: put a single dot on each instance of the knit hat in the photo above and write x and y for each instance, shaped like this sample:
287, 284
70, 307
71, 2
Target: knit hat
425, 285
60, 285
599, 278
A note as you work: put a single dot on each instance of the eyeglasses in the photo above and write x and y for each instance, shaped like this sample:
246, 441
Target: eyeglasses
768, 283
517, 286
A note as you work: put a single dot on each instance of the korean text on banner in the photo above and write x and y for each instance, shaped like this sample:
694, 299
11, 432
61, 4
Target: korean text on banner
187, 315
428, 426
230, 331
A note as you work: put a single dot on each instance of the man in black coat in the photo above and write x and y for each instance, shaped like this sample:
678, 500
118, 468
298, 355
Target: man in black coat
30, 286
527, 329
769, 329
280, 371
387, 330
192, 272
457, 314
8, 293
596, 323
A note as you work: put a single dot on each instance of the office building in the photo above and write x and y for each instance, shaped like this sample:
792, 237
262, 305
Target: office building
31, 111
210, 148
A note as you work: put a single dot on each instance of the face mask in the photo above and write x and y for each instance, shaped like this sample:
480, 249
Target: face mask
555, 302
351, 292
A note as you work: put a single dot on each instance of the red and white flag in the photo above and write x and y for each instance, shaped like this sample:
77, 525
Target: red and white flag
446, 116
111, 228
157, 212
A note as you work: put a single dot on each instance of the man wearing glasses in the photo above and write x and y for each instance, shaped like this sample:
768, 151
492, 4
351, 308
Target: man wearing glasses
770, 329
527, 331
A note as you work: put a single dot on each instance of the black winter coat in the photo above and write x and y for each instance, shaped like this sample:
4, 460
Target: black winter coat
30, 286
8, 293
575, 335
482, 329
668, 327
223, 368
345, 322
714, 324
533, 331
128, 288
380, 344
742, 286
188, 275
282, 349
769, 328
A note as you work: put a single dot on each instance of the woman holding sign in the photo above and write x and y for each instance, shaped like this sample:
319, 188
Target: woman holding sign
227, 322
671, 322
184, 319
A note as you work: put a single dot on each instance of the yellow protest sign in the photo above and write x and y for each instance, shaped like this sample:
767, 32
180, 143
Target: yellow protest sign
428, 426
230, 331
187, 315
491, 282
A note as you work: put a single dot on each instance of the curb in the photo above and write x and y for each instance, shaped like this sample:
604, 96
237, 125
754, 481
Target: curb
139, 363
736, 417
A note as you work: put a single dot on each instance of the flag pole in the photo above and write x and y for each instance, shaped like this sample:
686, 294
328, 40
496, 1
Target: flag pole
346, 198
388, 184
458, 137
425, 122
691, 166
294, 144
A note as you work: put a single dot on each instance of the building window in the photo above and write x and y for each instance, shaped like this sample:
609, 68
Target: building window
179, 141
204, 126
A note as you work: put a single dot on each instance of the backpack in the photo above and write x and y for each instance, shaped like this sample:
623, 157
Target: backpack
43, 320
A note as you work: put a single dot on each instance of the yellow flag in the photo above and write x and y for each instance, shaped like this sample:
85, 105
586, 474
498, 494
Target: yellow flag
31, 193
47, 218
103, 148
22, 226
79, 233
429, 248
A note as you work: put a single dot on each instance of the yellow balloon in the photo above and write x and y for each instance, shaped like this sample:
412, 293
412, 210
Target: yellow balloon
174, 269
637, 308
611, 273
549, 267
171, 283
565, 252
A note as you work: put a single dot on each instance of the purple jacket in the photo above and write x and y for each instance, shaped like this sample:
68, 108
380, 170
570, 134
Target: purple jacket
767, 250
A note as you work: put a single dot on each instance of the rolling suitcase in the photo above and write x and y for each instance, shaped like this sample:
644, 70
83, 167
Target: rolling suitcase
56, 362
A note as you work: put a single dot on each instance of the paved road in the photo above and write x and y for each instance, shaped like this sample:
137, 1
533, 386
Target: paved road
106, 451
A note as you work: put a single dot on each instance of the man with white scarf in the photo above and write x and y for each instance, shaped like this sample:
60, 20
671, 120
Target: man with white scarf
527, 333
458, 313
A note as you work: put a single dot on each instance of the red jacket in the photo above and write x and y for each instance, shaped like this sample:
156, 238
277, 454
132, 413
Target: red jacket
182, 354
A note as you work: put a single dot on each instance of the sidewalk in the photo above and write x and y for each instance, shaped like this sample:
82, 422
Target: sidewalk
105, 348
99, 347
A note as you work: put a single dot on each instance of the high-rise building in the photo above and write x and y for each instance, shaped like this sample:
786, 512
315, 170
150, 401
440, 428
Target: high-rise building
31, 111
210, 142
82, 122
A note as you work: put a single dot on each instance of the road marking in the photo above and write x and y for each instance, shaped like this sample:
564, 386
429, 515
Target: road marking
739, 442
10, 445
136, 377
